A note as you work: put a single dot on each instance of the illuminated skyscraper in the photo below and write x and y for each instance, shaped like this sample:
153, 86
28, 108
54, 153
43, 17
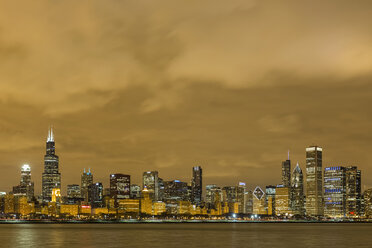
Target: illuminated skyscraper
86, 181
95, 195
51, 177
212, 194
196, 185
150, 180
297, 191
270, 199
334, 191
25, 187
368, 203
119, 186
286, 172
282, 200
73, 191
353, 191
135, 191
314, 182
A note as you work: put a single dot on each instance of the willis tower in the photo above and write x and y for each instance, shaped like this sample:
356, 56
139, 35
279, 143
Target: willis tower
51, 176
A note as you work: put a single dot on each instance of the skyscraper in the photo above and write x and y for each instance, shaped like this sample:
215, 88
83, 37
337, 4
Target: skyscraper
270, 199
334, 191
95, 194
297, 191
119, 186
25, 187
73, 191
353, 191
212, 194
86, 181
314, 182
150, 180
196, 185
51, 177
286, 172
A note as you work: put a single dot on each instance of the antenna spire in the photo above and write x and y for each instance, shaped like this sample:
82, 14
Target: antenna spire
50, 135
288, 154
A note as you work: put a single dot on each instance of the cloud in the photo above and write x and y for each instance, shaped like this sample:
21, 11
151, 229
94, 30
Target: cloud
53, 51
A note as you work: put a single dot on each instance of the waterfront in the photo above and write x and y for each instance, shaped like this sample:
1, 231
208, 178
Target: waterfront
187, 235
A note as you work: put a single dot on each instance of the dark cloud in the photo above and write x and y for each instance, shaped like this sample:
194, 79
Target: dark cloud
229, 85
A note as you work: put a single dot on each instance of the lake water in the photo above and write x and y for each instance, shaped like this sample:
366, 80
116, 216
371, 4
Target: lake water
187, 235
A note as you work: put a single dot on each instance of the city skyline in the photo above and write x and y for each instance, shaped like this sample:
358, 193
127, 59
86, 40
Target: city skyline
285, 168
155, 86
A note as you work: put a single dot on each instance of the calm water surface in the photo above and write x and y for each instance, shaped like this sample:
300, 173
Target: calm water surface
186, 235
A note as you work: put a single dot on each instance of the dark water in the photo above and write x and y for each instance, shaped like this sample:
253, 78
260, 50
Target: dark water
186, 235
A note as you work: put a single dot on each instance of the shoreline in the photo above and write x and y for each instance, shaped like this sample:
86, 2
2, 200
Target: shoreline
175, 222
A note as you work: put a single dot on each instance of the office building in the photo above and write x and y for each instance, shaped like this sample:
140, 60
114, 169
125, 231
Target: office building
150, 181
25, 187
286, 172
353, 191
51, 177
196, 185
95, 195
86, 181
119, 186
334, 191
297, 191
314, 181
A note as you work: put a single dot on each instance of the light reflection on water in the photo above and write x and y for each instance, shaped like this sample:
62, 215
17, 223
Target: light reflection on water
186, 235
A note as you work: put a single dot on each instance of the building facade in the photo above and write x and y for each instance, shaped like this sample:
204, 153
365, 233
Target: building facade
334, 191
197, 185
86, 181
26, 186
297, 191
150, 181
51, 177
286, 172
119, 186
314, 181
353, 191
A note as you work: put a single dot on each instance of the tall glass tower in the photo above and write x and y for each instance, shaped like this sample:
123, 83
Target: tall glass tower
51, 177
286, 172
314, 181
297, 191
150, 180
196, 185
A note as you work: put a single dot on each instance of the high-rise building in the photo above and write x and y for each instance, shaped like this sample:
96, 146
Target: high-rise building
73, 191
314, 182
161, 189
150, 180
135, 191
95, 195
334, 191
176, 190
286, 172
86, 181
212, 193
270, 199
25, 187
119, 186
259, 201
353, 191
297, 191
248, 195
196, 185
240, 189
51, 178
367, 195
282, 200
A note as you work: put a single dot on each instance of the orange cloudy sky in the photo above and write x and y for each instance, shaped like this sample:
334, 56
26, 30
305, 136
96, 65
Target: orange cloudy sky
165, 85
